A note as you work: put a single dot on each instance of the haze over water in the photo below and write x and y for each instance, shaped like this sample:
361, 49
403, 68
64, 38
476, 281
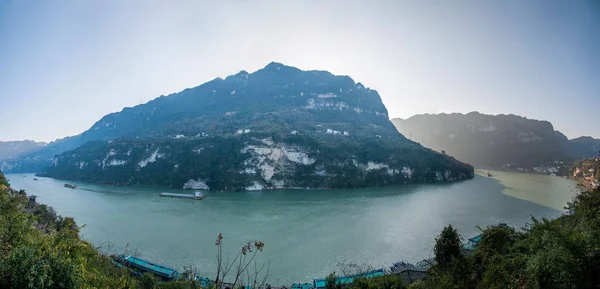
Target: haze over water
308, 234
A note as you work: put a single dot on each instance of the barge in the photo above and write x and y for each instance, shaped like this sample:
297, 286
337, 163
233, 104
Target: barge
195, 196
143, 266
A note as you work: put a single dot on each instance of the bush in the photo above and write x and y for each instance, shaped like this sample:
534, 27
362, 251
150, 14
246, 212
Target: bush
560, 253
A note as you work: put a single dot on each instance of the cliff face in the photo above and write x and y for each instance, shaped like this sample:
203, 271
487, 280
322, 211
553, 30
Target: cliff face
279, 127
497, 141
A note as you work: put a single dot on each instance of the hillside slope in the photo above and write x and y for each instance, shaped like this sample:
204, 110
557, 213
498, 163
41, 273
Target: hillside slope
496, 141
279, 127
11, 149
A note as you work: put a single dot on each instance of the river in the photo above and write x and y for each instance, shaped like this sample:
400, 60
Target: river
307, 234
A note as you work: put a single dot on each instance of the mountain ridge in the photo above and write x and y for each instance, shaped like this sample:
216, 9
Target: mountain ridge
12, 149
497, 141
278, 127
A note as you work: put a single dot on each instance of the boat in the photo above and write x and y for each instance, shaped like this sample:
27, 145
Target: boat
489, 174
144, 266
196, 196
473, 242
35, 179
115, 259
70, 186
320, 283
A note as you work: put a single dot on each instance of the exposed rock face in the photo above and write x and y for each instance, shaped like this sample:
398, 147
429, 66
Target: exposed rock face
278, 127
497, 141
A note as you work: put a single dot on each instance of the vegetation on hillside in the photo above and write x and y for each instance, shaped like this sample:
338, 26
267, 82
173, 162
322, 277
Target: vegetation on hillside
559, 253
222, 162
203, 133
42, 250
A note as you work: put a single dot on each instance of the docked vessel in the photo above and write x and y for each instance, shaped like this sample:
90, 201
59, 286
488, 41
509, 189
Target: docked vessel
196, 196
143, 266
70, 186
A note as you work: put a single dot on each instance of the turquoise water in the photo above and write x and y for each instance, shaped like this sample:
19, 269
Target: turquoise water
307, 234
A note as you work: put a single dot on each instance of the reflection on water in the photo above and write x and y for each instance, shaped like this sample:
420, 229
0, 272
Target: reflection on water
307, 233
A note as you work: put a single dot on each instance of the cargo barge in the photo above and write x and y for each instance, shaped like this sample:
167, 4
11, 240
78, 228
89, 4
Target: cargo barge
195, 196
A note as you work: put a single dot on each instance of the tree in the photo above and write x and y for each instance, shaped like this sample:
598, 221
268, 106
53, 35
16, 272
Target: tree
331, 282
447, 247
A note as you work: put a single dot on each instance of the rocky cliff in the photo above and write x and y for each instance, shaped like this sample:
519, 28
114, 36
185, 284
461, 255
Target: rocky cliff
279, 127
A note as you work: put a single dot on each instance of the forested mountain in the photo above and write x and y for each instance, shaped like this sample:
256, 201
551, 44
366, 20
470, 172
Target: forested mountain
38, 159
11, 149
494, 141
279, 127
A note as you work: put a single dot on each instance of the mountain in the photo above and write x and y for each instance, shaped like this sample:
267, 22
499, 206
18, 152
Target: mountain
584, 147
496, 141
38, 159
279, 127
11, 149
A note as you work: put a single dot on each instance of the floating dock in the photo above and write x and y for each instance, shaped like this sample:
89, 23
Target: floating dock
195, 196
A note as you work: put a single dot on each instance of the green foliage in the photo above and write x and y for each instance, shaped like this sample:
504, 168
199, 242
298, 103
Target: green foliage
560, 253
55, 257
447, 247
331, 283
3, 182
221, 161
147, 281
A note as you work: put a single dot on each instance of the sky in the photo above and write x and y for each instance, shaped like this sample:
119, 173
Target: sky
65, 64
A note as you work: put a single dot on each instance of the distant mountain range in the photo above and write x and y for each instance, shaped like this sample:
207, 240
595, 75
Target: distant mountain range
279, 127
12, 149
496, 141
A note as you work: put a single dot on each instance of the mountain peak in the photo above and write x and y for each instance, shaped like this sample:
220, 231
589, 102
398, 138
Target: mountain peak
277, 67
274, 65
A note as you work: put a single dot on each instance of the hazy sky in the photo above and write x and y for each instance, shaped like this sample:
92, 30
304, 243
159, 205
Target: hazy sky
65, 64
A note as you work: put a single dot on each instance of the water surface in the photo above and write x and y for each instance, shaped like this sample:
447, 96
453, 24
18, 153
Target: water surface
308, 234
